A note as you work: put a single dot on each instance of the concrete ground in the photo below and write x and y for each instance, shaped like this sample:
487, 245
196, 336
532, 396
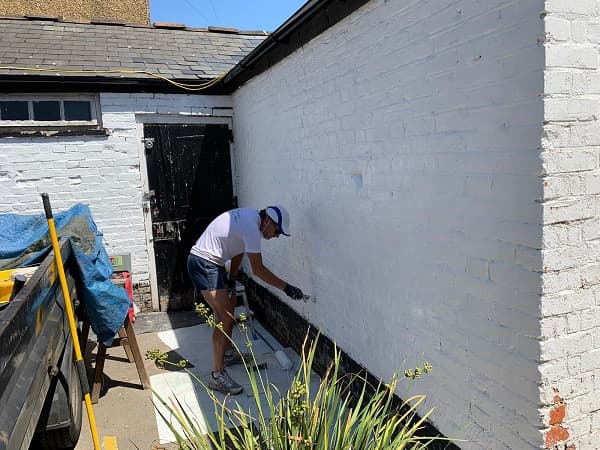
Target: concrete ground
126, 412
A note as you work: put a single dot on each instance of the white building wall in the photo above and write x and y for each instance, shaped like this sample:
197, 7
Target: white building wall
570, 358
405, 142
103, 172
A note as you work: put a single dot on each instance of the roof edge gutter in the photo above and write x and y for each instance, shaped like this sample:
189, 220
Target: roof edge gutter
45, 83
308, 22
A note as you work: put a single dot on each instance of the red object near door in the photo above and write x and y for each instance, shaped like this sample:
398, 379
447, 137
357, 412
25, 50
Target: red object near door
123, 279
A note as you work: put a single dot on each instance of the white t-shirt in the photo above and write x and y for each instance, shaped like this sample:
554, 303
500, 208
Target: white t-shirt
230, 234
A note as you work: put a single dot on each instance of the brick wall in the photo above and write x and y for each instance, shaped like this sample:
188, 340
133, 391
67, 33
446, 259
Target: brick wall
102, 172
570, 359
405, 142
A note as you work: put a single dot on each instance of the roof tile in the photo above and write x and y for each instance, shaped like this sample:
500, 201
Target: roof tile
185, 54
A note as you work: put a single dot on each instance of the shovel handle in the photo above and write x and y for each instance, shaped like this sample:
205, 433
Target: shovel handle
47, 207
71, 318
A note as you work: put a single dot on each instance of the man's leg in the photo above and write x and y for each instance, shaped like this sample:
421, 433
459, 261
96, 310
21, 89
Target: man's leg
231, 302
222, 308
219, 378
208, 279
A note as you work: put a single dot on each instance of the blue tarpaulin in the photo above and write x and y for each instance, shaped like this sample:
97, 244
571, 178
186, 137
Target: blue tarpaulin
24, 241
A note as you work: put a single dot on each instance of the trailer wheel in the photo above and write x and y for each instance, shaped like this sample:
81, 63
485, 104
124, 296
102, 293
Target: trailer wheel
67, 437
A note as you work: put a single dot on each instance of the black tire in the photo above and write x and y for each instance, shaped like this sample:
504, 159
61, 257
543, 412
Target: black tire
67, 437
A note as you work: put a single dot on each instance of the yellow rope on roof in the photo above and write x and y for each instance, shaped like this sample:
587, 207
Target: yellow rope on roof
186, 86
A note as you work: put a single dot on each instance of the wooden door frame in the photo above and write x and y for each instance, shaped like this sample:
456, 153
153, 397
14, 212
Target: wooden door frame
156, 119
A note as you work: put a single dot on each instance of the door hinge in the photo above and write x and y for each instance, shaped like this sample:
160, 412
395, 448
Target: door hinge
230, 134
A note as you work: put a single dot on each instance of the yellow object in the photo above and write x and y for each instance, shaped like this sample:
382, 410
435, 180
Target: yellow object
6, 285
109, 443
7, 278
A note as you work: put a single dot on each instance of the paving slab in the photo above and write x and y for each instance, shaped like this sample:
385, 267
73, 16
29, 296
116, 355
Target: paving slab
128, 413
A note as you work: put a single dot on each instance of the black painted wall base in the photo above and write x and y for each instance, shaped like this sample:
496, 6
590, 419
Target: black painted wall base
291, 329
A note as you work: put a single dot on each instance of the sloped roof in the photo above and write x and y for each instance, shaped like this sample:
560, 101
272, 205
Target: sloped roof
170, 50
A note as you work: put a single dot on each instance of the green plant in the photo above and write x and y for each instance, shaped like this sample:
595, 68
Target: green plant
332, 418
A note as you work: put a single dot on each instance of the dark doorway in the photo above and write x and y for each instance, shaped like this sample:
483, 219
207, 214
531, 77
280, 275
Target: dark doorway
190, 183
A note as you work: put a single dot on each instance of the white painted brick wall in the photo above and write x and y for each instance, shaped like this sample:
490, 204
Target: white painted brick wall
570, 358
405, 142
102, 172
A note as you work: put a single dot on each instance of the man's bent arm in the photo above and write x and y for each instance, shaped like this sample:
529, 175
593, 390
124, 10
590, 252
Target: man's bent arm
235, 265
262, 272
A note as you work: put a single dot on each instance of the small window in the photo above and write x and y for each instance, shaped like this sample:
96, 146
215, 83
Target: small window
77, 110
46, 111
49, 110
14, 110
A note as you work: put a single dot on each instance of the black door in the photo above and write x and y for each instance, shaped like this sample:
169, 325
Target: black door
189, 178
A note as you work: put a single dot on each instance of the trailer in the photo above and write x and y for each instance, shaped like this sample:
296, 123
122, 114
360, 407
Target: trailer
40, 393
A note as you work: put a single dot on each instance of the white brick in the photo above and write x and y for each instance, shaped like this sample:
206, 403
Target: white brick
556, 135
555, 326
558, 82
570, 161
585, 134
570, 109
584, 7
593, 32
573, 56
568, 302
579, 32
581, 427
592, 183
591, 231
558, 29
590, 361
569, 209
561, 234
565, 185
564, 258
573, 344
585, 83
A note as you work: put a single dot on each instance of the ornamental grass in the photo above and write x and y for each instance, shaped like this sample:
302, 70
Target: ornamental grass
332, 417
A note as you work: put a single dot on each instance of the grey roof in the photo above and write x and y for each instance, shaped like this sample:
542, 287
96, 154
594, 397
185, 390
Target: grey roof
175, 53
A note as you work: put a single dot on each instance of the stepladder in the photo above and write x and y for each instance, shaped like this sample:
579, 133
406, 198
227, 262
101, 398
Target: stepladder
127, 339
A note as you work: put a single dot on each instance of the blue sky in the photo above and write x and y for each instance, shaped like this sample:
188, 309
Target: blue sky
264, 15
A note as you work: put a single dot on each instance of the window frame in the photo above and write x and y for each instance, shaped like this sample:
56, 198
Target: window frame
93, 100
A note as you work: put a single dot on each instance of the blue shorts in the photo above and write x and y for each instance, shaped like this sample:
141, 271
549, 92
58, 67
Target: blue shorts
206, 275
